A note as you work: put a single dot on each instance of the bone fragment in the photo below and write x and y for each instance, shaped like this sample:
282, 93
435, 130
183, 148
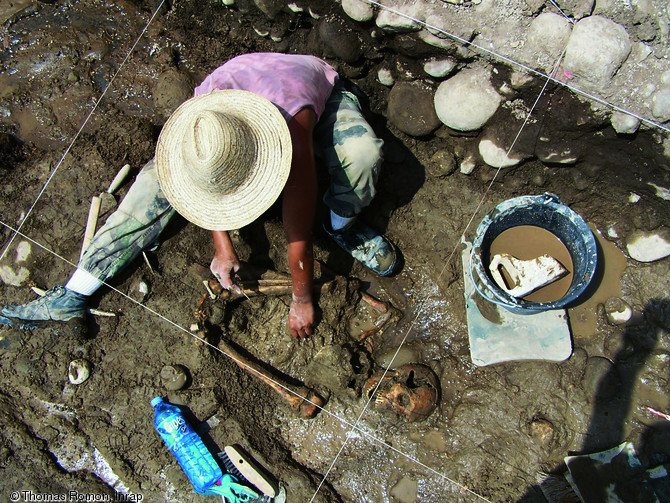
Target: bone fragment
301, 399
91, 223
119, 179
526, 275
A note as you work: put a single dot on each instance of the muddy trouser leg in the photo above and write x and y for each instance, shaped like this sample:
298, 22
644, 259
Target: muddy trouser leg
135, 225
351, 151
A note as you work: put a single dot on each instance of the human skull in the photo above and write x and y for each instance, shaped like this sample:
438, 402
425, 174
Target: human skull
411, 391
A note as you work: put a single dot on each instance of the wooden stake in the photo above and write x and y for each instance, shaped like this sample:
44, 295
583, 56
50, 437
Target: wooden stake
91, 223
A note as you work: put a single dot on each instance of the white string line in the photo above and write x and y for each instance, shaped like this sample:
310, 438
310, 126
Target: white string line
241, 363
539, 73
572, 21
76, 136
423, 302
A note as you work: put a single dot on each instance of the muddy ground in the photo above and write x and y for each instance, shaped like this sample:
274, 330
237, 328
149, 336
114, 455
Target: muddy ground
495, 427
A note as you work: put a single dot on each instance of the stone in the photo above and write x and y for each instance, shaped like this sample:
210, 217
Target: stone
646, 246
78, 371
385, 77
496, 156
393, 22
542, 431
576, 8
466, 101
597, 48
617, 311
410, 108
405, 491
519, 80
442, 163
661, 105
439, 67
340, 39
358, 10
174, 377
624, 123
548, 34
270, 7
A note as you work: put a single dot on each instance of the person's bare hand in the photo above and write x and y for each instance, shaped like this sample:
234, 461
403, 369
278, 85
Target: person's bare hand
224, 268
301, 318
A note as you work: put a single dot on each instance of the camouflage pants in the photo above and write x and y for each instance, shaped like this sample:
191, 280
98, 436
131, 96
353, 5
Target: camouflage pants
346, 145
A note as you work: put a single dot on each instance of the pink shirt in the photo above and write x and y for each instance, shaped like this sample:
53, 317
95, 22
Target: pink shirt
290, 81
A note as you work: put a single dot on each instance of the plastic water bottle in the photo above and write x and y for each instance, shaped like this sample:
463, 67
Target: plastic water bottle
194, 458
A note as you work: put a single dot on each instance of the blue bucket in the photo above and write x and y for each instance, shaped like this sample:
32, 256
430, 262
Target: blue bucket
544, 211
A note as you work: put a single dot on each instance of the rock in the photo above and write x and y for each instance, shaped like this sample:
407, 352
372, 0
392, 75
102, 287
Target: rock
405, 491
618, 311
661, 105
601, 378
171, 89
576, 8
468, 165
340, 39
410, 108
519, 79
548, 34
542, 431
467, 100
649, 246
174, 377
358, 10
393, 22
439, 67
624, 123
270, 7
496, 156
17, 276
596, 49
442, 163
385, 77
78, 371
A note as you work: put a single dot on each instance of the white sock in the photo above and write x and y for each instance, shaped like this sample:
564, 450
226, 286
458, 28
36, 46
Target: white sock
83, 282
337, 222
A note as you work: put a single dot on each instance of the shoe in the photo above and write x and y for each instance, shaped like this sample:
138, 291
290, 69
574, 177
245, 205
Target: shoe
57, 305
367, 246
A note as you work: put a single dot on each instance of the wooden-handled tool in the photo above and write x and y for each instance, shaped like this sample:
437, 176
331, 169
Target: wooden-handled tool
302, 399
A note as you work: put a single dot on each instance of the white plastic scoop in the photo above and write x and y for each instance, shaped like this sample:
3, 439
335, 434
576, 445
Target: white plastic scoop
525, 276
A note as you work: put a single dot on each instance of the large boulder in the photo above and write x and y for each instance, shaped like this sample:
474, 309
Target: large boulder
596, 50
466, 101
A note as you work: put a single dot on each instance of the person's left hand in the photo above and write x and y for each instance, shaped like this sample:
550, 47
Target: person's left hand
301, 318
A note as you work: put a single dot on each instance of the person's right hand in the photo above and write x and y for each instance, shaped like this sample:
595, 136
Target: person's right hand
224, 266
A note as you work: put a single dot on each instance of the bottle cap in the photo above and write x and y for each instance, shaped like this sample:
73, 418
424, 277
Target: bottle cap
156, 401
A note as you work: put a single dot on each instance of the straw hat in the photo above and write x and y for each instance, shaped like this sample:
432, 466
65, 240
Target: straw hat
223, 158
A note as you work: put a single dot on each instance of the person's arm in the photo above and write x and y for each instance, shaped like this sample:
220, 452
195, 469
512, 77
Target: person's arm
300, 193
225, 262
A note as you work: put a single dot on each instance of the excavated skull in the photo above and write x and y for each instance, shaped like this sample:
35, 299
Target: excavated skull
411, 391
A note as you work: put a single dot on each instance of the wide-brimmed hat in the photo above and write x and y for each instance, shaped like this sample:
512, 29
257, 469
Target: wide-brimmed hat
223, 158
